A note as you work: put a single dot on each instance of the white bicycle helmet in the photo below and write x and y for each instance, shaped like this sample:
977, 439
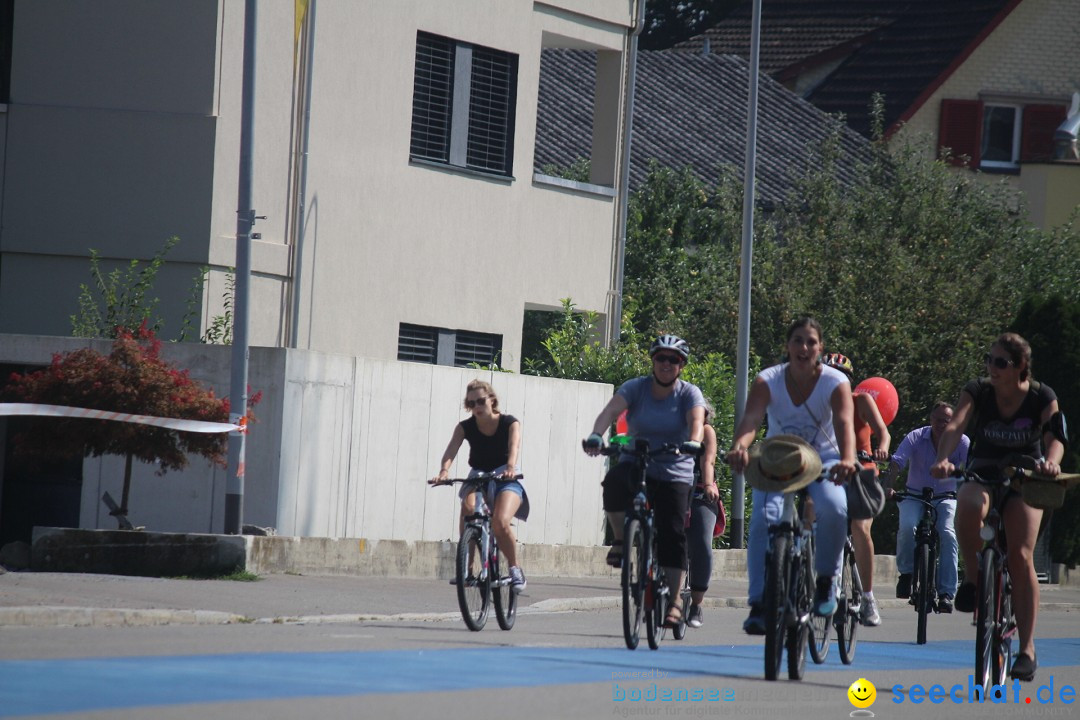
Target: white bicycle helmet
673, 343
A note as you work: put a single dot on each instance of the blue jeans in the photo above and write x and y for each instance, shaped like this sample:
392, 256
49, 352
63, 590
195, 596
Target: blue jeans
830, 531
910, 514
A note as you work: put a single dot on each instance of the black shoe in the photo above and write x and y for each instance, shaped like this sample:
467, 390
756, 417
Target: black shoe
903, 586
945, 604
965, 598
755, 623
1024, 668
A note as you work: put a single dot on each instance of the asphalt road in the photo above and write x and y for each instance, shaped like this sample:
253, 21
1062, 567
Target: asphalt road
422, 662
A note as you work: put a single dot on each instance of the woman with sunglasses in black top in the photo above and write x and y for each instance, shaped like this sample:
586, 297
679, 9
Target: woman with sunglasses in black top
494, 441
1009, 413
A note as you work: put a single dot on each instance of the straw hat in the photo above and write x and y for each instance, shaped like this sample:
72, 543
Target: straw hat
782, 463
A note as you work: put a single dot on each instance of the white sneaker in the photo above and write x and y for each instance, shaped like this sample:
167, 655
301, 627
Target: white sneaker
694, 619
868, 613
517, 580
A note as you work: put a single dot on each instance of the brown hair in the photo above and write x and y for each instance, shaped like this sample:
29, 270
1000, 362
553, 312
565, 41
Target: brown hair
1018, 349
486, 387
803, 322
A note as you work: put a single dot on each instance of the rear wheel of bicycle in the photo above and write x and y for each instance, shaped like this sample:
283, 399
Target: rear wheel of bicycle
474, 594
819, 627
921, 591
798, 635
633, 575
777, 566
985, 617
847, 618
504, 597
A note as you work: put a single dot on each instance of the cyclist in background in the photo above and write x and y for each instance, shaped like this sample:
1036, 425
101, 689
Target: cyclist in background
661, 409
917, 452
705, 507
494, 441
806, 398
868, 422
1007, 412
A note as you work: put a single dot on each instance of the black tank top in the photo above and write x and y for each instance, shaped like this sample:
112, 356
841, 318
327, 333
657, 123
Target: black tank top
488, 452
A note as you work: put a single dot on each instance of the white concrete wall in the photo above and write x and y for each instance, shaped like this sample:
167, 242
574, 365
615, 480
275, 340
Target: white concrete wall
343, 446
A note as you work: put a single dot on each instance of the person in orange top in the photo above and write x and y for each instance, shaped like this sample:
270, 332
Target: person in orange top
868, 424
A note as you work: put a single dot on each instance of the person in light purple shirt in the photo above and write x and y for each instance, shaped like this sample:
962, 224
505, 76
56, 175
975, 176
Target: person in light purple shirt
918, 452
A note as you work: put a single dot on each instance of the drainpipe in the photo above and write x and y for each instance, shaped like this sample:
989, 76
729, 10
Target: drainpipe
615, 321
300, 199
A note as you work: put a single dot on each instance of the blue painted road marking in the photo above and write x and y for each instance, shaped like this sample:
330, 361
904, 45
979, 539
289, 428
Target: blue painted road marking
34, 687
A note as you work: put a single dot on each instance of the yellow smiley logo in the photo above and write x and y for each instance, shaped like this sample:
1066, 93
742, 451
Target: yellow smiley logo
862, 693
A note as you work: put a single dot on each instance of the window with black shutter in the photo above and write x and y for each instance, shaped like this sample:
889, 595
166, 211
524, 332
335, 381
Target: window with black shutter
440, 346
463, 105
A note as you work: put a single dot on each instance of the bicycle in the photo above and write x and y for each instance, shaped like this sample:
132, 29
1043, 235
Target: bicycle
476, 591
924, 591
790, 581
995, 624
645, 590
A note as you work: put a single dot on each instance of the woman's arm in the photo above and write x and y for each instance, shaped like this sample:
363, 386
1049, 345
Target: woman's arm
1055, 449
695, 420
843, 411
757, 404
449, 454
868, 411
708, 464
950, 438
513, 446
608, 415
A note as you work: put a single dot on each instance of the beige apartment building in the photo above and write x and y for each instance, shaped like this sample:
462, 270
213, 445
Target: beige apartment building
400, 216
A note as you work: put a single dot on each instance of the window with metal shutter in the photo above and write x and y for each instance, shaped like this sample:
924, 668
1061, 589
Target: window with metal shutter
433, 94
491, 109
474, 347
960, 130
417, 343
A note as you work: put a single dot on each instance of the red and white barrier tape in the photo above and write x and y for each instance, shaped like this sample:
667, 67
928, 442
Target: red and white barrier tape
198, 426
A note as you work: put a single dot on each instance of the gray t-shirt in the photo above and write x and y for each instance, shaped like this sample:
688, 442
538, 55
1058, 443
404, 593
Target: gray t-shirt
659, 422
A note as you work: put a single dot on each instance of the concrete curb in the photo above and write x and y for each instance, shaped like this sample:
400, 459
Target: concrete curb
120, 617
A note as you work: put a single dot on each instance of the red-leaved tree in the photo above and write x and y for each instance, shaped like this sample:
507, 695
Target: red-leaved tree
134, 379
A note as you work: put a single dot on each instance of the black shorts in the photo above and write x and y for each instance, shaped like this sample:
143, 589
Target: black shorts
670, 503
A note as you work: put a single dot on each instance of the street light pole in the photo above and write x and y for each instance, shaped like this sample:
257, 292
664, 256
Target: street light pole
742, 362
245, 222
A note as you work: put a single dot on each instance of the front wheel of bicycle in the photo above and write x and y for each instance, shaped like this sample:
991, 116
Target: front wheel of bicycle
502, 594
921, 592
473, 591
802, 598
633, 576
819, 627
985, 621
777, 567
1003, 630
656, 599
848, 605
680, 630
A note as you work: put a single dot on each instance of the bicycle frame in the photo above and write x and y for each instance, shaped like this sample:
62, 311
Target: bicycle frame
924, 591
793, 618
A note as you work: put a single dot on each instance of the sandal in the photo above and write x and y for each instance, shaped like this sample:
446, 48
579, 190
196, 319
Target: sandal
614, 556
674, 617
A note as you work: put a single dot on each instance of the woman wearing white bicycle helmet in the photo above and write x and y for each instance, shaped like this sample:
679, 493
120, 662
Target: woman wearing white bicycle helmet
661, 408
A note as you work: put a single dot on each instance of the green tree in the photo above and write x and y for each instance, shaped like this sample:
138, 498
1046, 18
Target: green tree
1052, 326
132, 379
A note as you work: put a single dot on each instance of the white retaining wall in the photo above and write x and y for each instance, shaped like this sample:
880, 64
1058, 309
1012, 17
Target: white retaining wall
343, 446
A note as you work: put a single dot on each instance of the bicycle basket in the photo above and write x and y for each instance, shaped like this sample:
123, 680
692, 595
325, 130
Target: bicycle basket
1043, 494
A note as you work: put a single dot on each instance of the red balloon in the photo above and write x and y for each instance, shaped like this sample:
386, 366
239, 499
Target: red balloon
621, 426
884, 394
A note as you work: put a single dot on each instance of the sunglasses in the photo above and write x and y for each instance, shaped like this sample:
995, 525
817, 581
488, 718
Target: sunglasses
669, 359
997, 361
470, 404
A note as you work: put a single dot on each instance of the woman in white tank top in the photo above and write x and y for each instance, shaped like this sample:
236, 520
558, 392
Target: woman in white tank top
806, 398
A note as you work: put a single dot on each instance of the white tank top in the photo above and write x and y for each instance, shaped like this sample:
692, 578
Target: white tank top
786, 418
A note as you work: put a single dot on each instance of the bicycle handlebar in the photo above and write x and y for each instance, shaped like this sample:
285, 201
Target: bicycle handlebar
478, 478
900, 495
